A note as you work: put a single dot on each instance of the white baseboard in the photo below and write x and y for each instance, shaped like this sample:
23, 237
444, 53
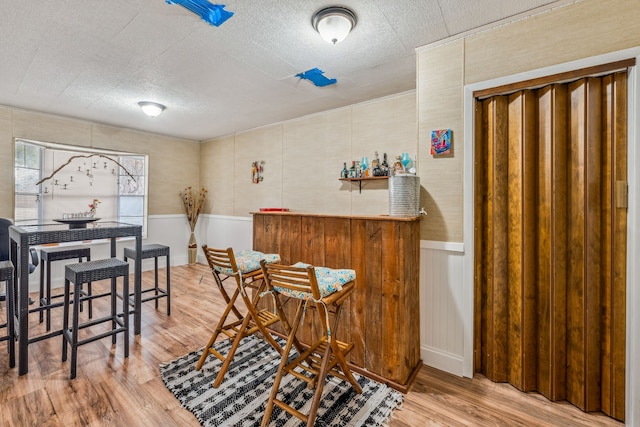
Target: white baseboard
438, 359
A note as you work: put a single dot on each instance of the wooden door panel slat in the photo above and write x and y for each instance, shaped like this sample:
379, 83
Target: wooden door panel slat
619, 244
498, 241
560, 220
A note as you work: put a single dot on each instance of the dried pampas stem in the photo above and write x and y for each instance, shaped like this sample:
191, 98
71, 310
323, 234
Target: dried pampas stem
192, 204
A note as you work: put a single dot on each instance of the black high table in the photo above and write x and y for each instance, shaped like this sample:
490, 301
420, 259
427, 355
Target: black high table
24, 236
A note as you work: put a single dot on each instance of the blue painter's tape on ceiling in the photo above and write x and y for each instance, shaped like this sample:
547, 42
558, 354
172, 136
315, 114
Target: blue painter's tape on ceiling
317, 77
213, 14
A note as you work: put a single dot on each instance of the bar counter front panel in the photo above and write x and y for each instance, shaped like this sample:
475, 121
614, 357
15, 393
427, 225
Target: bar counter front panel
381, 317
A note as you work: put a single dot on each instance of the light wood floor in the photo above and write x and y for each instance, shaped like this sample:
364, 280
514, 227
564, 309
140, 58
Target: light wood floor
110, 390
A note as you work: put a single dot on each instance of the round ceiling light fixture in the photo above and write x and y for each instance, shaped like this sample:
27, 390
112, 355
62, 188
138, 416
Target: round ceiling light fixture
334, 23
151, 109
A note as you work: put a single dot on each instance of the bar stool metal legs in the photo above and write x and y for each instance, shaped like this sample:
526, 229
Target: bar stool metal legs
154, 251
46, 258
6, 275
80, 273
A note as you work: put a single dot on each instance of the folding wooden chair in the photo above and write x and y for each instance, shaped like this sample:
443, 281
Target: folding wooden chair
244, 267
326, 288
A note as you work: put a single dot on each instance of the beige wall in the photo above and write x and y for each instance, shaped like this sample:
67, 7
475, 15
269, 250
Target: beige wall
304, 157
580, 30
173, 163
440, 106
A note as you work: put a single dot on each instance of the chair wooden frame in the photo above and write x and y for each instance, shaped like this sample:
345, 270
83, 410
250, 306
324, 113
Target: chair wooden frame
238, 325
325, 355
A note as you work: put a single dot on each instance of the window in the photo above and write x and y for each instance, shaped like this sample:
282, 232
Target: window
131, 188
54, 180
27, 173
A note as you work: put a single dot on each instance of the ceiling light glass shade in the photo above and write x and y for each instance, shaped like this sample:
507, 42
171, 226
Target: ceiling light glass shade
334, 23
151, 109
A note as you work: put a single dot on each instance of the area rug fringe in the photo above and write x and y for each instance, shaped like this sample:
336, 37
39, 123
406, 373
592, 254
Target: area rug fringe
241, 399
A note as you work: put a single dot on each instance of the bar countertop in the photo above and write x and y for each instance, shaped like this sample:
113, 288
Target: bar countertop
320, 215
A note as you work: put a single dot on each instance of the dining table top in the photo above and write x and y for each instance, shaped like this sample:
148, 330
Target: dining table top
39, 234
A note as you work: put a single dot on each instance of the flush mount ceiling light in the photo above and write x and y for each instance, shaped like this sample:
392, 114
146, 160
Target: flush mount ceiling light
334, 23
151, 109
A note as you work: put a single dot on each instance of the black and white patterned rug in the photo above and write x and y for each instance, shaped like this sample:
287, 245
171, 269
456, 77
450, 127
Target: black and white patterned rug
242, 397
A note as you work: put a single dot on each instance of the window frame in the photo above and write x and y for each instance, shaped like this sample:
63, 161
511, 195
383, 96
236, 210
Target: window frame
40, 194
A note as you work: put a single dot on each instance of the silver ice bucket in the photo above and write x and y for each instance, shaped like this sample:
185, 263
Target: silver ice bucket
404, 195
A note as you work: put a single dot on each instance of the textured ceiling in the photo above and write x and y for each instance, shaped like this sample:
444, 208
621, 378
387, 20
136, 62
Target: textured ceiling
95, 60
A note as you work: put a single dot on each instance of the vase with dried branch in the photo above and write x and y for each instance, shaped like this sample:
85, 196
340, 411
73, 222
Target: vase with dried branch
193, 201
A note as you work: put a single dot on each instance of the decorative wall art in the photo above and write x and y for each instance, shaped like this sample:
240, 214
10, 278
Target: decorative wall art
257, 168
89, 170
440, 142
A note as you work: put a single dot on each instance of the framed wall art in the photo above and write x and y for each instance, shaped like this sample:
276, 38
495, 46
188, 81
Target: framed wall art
440, 142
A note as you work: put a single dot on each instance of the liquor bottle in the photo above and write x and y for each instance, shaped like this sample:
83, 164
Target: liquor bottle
375, 166
376, 161
345, 172
385, 166
352, 169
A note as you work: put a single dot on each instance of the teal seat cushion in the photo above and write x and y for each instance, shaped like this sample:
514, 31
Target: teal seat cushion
329, 280
249, 260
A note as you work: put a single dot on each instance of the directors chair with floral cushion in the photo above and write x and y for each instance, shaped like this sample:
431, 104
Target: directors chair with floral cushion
326, 288
244, 268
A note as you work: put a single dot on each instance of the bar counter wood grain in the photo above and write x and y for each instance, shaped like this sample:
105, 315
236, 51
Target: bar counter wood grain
382, 316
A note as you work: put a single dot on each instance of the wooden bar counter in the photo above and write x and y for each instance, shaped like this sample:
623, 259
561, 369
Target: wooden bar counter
382, 316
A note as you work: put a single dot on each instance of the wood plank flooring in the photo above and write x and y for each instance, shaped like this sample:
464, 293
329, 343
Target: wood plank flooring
113, 391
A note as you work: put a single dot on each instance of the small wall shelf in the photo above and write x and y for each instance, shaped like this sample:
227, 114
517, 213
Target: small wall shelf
359, 180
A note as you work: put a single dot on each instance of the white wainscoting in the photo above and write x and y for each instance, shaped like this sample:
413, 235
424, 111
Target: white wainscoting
442, 306
221, 231
217, 231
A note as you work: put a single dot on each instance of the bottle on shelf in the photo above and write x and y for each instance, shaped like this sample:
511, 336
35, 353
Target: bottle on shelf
384, 168
375, 165
345, 171
365, 167
352, 170
413, 169
398, 169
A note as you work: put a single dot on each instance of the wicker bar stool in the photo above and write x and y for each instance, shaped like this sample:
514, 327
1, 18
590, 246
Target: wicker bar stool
6, 275
91, 271
326, 288
47, 256
154, 251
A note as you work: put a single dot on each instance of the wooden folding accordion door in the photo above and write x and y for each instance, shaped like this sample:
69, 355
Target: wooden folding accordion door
550, 240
